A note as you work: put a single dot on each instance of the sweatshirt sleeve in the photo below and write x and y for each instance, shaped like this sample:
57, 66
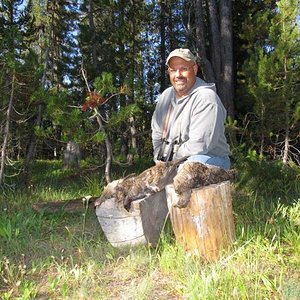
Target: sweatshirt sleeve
156, 133
158, 119
205, 126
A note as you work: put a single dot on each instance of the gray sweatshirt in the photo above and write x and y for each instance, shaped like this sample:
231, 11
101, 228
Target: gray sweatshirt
197, 121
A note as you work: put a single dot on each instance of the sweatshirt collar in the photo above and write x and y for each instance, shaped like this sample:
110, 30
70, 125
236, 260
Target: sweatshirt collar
199, 84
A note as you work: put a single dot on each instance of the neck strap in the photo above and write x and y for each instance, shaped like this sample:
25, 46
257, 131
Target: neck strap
166, 123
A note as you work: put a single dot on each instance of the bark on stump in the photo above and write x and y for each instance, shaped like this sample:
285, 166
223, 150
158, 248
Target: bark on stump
206, 225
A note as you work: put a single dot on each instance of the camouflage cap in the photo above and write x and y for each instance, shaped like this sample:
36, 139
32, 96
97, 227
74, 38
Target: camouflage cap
185, 54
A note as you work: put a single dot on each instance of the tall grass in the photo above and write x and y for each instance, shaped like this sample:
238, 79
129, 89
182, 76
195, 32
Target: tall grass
66, 256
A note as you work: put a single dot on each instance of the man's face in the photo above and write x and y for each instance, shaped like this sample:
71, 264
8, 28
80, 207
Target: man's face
182, 75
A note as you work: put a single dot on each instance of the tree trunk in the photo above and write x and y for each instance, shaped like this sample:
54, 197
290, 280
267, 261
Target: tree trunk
286, 147
93, 33
133, 139
108, 148
215, 38
72, 155
286, 117
132, 125
162, 47
226, 89
205, 65
32, 147
38, 121
169, 15
98, 116
6, 130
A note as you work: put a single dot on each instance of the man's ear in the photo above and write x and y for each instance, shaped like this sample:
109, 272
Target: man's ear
195, 68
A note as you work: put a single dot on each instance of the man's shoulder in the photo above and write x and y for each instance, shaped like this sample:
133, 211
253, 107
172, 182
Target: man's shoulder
204, 95
168, 91
205, 91
203, 85
166, 95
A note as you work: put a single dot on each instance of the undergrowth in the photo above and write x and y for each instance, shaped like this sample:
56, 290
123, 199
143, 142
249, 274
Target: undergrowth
66, 255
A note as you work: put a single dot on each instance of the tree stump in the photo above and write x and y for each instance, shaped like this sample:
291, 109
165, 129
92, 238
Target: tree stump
141, 225
72, 155
206, 225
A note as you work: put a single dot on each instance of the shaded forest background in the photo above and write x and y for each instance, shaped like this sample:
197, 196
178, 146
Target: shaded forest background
80, 79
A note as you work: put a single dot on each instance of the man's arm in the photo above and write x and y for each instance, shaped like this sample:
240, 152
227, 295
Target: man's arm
156, 134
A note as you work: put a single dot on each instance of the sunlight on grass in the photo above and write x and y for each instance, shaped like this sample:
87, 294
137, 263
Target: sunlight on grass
66, 255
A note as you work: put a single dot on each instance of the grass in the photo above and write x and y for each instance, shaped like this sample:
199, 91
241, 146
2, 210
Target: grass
66, 256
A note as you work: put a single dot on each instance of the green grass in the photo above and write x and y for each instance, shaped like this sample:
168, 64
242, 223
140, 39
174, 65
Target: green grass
66, 256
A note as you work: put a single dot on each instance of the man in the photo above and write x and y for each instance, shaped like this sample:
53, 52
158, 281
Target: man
189, 116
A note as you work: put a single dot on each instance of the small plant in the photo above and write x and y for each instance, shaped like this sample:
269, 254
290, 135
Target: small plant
13, 277
68, 256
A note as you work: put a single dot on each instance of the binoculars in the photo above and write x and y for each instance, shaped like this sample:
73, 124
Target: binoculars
167, 150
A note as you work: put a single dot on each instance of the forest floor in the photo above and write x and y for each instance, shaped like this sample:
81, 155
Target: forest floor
65, 255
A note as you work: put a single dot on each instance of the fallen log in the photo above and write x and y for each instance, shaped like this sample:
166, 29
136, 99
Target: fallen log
70, 206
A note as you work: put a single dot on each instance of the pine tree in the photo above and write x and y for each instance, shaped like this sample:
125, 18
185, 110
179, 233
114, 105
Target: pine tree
273, 76
56, 47
17, 33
